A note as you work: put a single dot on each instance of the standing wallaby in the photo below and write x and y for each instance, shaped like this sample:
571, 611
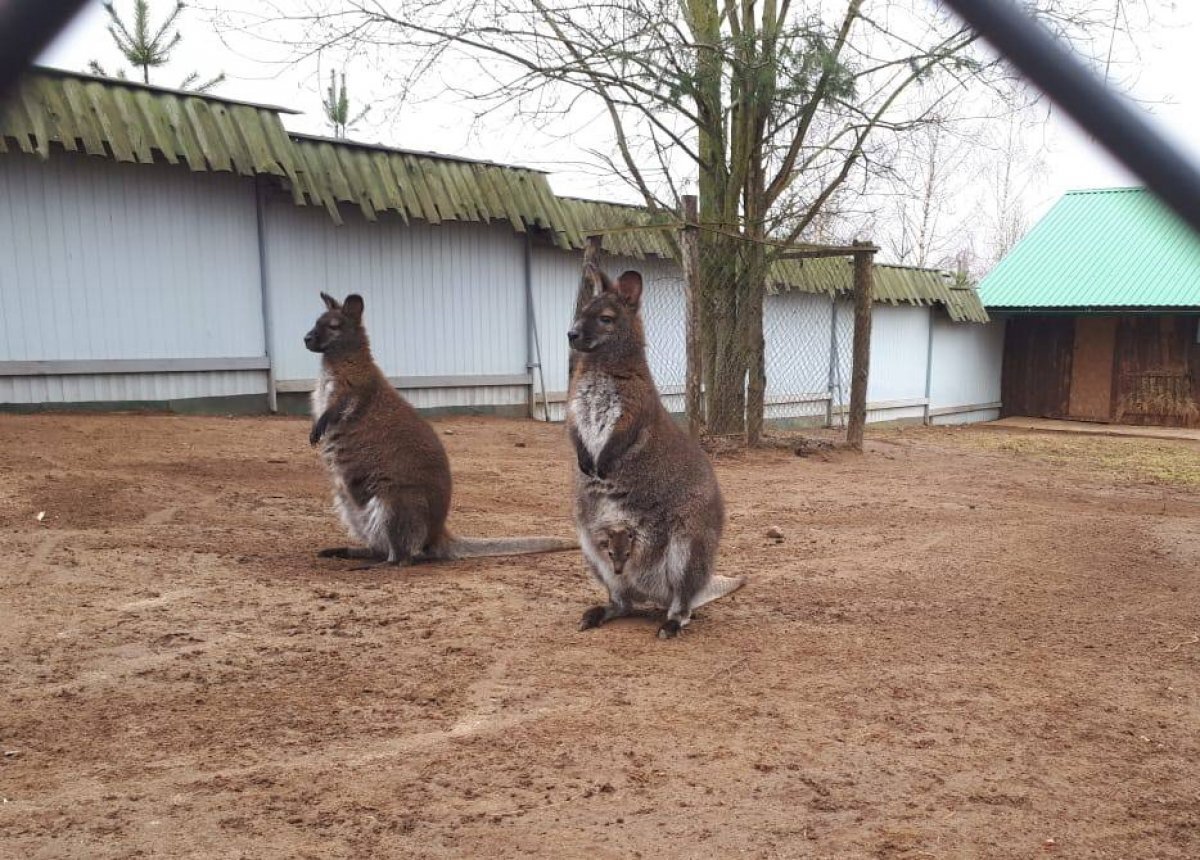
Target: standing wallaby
638, 472
391, 476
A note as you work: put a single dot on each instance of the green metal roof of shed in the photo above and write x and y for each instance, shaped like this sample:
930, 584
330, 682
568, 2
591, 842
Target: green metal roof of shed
1106, 248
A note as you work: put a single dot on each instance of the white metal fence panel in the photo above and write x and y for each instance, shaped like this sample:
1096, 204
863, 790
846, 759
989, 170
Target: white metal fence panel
130, 387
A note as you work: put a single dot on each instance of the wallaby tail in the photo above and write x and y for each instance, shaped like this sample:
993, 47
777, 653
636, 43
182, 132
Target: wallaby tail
462, 547
718, 587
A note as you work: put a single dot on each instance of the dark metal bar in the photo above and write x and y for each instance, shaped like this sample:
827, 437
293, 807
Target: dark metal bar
1113, 122
26, 28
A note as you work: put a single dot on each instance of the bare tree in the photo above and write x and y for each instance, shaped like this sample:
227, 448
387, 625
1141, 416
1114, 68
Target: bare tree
1013, 169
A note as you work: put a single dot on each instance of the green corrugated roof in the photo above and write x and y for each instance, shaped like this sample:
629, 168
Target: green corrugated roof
425, 186
1108, 248
128, 121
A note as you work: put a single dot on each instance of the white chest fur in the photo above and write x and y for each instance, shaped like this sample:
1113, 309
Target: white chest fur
321, 394
594, 410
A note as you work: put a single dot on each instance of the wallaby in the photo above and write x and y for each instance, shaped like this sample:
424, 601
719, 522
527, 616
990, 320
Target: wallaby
391, 476
638, 472
617, 543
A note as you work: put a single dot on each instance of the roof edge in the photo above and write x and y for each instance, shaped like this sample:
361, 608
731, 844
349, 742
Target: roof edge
154, 88
1093, 310
1114, 189
383, 147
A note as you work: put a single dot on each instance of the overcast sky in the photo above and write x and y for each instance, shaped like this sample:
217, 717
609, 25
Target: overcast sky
1164, 78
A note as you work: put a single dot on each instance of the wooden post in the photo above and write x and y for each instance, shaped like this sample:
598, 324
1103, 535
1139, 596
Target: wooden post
587, 283
689, 244
863, 291
587, 287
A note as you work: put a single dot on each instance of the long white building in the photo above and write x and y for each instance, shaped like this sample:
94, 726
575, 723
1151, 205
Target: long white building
165, 250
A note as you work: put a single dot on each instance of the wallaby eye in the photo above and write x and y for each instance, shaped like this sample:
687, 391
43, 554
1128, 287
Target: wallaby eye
608, 319
335, 323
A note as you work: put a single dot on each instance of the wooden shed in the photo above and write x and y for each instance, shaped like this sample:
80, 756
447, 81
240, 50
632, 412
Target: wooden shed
1102, 300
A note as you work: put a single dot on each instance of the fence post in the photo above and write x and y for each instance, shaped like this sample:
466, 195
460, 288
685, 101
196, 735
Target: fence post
833, 360
689, 244
863, 291
587, 287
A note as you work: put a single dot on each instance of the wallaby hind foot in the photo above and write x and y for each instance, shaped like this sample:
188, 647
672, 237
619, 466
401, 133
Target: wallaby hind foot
598, 615
379, 564
670, 629
351, 552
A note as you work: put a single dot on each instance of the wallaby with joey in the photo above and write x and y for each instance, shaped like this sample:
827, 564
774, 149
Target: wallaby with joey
391, 475
647, 504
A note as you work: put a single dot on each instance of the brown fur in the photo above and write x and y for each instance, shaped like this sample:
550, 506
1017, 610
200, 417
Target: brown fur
390, 472
637, 469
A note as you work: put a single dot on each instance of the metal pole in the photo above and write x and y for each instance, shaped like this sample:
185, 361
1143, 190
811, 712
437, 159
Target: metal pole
533, 344
1112, 121
260, 214
26, 28
833, 357
929, 364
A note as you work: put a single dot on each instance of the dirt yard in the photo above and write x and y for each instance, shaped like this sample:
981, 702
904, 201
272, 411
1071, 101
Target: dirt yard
968, 644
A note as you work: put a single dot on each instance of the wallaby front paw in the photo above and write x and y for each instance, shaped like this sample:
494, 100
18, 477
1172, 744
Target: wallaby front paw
670, 629
594, 617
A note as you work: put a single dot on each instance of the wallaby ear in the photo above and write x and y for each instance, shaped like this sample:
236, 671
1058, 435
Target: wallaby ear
629, 288
353, 306
330, 302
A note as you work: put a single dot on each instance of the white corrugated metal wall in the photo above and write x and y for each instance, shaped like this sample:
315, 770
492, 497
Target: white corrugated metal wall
106, 261
441, 300
899, 350
965, 371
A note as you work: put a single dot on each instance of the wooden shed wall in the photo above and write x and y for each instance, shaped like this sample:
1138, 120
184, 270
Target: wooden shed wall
1036, 375
1156, 374
1140, 369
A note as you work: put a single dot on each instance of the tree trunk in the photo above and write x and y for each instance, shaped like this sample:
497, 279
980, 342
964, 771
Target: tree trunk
754, 287
727, 402
863, 291
689, 246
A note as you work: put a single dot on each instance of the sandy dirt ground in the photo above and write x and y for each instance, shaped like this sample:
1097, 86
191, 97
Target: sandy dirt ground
967, 644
